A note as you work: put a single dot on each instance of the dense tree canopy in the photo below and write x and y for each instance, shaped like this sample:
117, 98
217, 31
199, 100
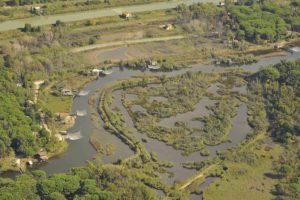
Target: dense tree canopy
86, 183
266, 20
20, 132
281, 88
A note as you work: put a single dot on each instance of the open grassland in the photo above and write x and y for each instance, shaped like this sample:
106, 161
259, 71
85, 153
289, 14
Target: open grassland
244, 181
58, 104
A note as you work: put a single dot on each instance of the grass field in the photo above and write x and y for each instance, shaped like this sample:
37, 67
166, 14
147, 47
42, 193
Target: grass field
247, 182
59, 104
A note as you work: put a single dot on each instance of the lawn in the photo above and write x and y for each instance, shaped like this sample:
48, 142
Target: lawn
59, 104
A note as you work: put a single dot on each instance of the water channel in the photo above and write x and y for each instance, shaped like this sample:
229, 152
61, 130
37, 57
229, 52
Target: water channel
79, 151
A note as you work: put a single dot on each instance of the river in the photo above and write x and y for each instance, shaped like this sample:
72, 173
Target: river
80, 151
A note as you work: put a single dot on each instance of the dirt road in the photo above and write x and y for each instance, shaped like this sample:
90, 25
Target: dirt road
126, 42
76, 16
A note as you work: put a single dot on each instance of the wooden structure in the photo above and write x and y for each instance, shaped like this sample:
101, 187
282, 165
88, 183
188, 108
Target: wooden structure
126, 14
168, 27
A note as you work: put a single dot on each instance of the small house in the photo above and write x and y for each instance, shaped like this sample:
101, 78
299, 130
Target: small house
66, 92
65, 118
62, 116
278, 46
42, 156
168, 27
153, 65
36, 10
126, 14
29, 162
222, 3
153, 62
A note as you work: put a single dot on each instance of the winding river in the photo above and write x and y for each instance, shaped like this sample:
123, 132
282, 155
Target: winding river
79, 151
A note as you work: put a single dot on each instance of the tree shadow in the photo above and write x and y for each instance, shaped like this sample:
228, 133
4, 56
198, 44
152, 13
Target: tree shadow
273, 176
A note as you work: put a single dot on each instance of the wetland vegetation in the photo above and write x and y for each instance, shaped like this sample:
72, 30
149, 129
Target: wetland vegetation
181, 95
179, 131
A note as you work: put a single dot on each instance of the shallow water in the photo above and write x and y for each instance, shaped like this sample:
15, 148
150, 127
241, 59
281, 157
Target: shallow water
131, 96
239, 131
295, 49
168, 153
199, 111
74, 136
156, 98
81, 113
84, 93
136, 108
214, 88
80, 151
196, 197
240, 89
209, 180
163, 151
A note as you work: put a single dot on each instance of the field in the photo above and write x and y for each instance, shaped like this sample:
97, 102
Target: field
254, 181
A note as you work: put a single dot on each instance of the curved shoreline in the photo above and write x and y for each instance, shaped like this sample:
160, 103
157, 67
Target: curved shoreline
82, 103
81, 150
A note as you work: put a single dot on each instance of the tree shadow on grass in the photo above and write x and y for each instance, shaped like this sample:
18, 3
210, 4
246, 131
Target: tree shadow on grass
273, 176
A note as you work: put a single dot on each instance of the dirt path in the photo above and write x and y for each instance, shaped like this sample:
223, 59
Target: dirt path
201, 174
37, 85
126, 42
194, 178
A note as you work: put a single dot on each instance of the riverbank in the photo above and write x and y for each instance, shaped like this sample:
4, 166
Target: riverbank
19, 165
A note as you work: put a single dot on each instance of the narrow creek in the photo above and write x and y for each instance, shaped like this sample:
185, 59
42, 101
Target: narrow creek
208, 181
